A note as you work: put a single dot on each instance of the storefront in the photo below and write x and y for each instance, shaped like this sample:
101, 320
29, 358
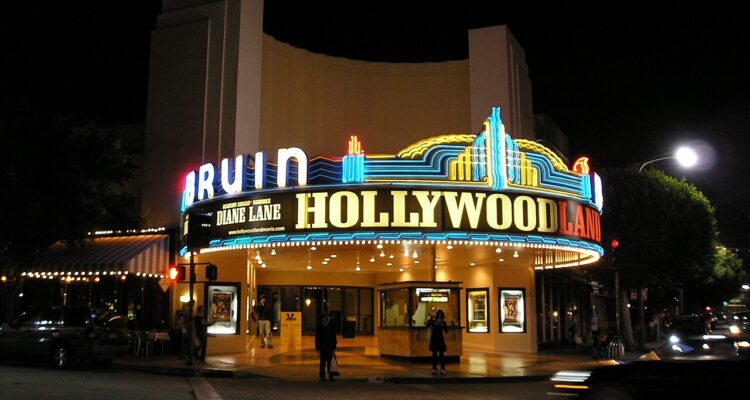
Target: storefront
324, 234
117, 271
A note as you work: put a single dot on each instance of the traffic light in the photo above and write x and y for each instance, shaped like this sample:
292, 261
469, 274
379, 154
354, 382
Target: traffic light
177, 273
212, 273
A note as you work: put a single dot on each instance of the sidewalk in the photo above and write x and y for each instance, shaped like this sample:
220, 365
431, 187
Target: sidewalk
360, 361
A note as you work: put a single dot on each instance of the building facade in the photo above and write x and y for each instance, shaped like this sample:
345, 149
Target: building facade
328, 180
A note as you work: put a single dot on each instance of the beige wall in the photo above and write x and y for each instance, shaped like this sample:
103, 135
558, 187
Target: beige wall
219, 87
316, 102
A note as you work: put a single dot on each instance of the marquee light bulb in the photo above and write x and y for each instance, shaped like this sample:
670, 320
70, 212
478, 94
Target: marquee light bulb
309, 267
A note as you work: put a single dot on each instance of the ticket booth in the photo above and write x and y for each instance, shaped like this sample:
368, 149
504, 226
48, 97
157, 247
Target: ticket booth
405, 308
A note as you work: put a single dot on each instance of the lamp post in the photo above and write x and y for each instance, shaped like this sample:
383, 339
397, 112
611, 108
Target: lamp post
685, 156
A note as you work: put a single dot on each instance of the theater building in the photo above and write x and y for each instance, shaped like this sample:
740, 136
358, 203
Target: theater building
459, 222
374, 191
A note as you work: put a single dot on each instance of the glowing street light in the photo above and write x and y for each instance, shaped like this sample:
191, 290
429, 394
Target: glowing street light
685, 156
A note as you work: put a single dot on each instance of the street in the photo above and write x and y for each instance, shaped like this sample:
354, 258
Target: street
37, 382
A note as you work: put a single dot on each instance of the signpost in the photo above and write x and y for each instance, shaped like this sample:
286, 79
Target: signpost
291, 331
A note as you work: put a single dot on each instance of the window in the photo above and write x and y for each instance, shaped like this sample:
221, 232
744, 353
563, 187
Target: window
74, 317
477, 310
394, 305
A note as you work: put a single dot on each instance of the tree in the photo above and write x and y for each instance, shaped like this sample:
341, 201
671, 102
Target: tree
666, 233
60, 181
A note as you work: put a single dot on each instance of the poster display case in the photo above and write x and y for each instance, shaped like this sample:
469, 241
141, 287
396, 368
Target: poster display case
512, 310
222, 308
477, 310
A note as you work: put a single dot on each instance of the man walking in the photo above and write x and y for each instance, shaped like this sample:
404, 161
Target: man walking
325, 344
264, 312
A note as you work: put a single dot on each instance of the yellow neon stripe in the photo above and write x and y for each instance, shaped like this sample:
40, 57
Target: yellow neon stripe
380, 156
580, 387
444, 182
546, 190
417, 149
535, 147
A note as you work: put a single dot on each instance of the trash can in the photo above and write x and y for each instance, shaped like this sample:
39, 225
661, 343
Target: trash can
350, 328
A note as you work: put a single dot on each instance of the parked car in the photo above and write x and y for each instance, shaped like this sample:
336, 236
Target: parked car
64, 334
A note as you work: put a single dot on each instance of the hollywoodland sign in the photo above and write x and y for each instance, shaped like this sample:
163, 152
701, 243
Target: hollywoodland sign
477, 187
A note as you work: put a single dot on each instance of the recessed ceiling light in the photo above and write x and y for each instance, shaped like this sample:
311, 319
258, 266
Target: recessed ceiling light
501, 260
414, 254
389, 264
406, 252
416, 261
379, 246
333, 256
313, 248
309, 267
382, 253
472, 264
390, 256
400, 270
498, 250
357, 269
449, 247
372, 259
515, 254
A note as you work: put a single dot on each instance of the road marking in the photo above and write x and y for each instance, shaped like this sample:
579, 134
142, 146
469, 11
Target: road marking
203, 390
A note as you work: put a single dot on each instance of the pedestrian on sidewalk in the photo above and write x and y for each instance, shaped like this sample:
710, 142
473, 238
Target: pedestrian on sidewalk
264, 314
325, 345
594, 328
201, 333
437, 327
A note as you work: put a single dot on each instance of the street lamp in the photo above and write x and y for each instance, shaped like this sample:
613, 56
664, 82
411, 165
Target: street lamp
685, 156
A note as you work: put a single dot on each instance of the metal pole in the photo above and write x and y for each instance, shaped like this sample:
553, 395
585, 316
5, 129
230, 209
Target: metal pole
617, 300
433, 273
191, 328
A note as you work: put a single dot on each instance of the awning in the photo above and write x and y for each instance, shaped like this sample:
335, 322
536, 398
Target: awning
142, 255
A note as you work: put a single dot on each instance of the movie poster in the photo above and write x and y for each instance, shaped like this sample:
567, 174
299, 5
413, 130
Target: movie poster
221, 304
512, 310
223, 308
477, 313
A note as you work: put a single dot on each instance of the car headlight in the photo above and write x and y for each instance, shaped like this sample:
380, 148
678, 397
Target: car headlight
674, 339
743, 343
734, 329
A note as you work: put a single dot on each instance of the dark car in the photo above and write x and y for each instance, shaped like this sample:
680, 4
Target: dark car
65, 333
739, 322
687, 325
655, 379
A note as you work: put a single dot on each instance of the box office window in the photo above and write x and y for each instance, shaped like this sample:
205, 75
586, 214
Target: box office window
512, 310
477, 310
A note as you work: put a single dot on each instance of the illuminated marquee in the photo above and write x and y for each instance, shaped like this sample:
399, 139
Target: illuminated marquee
462, 184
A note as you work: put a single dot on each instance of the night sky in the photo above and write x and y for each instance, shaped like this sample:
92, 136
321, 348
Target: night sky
625, 84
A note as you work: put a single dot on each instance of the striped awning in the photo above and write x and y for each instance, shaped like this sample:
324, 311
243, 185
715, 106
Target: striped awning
141, 255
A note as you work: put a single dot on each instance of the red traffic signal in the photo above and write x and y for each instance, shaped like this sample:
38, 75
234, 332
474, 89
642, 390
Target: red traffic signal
615, 243
177, 273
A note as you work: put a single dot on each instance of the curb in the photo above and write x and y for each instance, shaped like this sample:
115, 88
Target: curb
187, 372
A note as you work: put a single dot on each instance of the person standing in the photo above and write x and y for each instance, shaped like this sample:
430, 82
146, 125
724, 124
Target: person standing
594, 328
264, 312
325, 345
438, 327
201, 332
